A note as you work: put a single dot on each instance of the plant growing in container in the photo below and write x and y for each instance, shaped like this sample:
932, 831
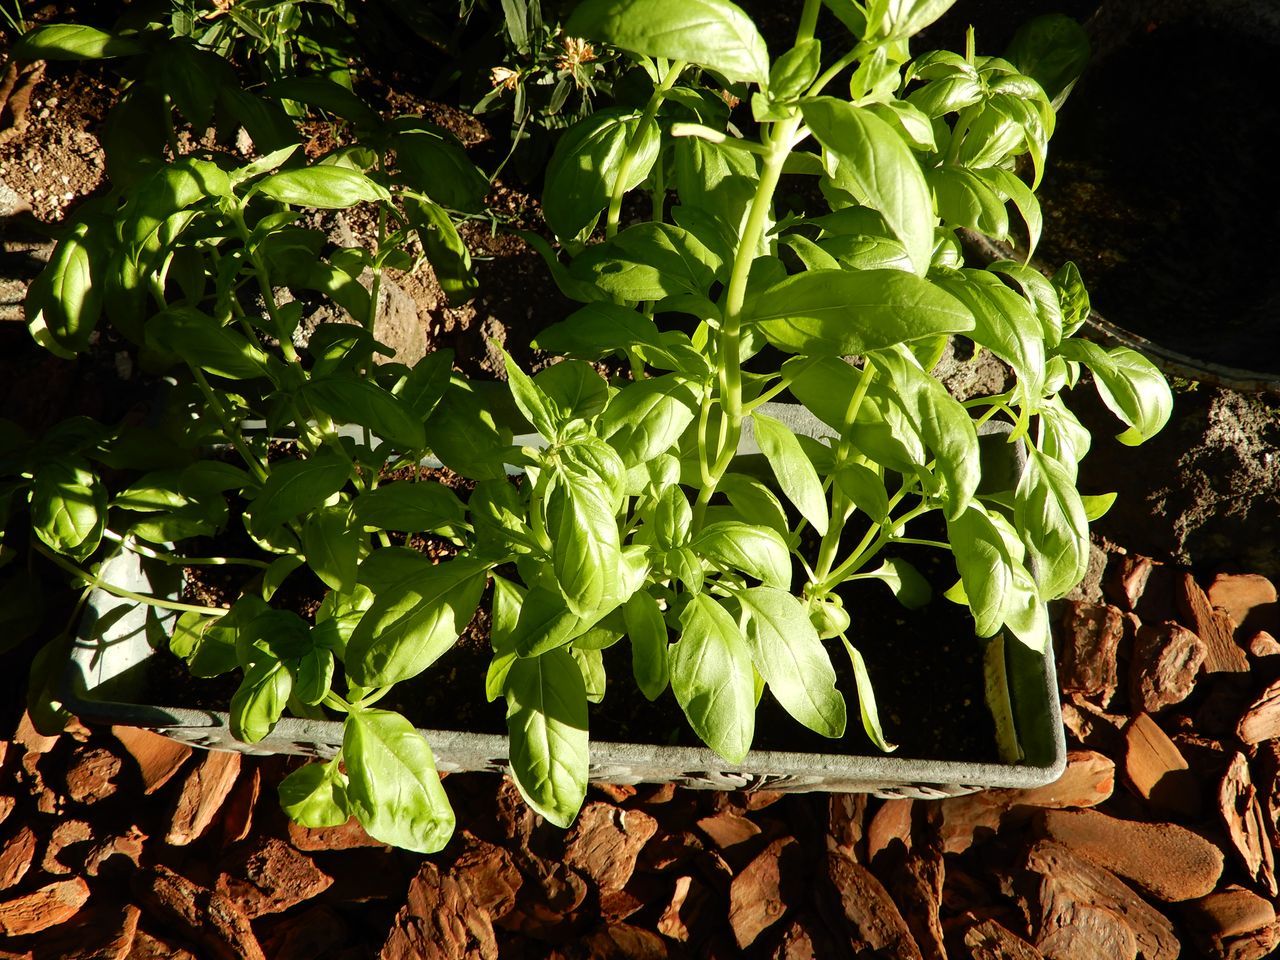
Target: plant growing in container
636, 519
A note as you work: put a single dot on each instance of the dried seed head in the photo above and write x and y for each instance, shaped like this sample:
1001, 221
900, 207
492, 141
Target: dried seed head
576, 53
504, 77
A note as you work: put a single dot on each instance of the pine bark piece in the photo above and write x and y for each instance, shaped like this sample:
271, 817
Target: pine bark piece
1249, 599
1258, 945
31, 739
41, 909
1262, 644
63, 854
16, 856
1166, 659
914, 879
237, 814
549, 895
7, 803
271, 877
1230, 912
1085, 911
1262, 720
890, 825
1169, 862
1157, 771
158, 758
439, 922
1091, 638
674, 923
805, 937
91, 775
1092, 727
988, 940
605, 841
147, 945
846, 819
490, 875
1127, 579
304, 936
203, 916
127, 845
94, 933
1216, 629
755, 895
1242, 814
203, 793
727, 829
871, 913
622, 941
347, 836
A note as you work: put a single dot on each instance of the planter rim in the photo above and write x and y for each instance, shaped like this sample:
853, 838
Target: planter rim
98, 660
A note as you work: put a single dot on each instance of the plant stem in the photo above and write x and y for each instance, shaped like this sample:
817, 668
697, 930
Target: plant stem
633, 146
144, 551
232, 430
121, 592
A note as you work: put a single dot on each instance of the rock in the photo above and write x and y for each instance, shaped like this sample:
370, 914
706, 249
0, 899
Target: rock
873, 918
15, 857
1242, 814
204, 917
158, 758
271, 877
755, 895
91, 775
1166, 660
605, 841
1084, 911
1223, 654
203, 793
1156, 771
1262, 720
1091, 638
439, 921
1167, 861
41, 909
1249, 599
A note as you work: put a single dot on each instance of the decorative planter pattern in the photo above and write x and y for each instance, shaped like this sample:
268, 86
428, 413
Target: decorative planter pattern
112, 646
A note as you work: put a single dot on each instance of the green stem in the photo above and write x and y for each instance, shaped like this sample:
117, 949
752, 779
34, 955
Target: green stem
121, 592
633, 146
176, 560
232, 430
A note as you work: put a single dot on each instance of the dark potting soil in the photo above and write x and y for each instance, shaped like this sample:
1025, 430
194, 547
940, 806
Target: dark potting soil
925, 666
1160, 186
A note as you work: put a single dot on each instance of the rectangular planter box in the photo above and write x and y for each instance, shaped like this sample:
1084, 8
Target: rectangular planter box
108, 663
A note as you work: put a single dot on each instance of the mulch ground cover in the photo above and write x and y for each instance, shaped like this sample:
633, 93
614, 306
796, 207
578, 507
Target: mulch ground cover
1158, 841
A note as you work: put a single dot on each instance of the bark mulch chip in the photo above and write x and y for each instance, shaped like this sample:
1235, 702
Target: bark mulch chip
1158, 840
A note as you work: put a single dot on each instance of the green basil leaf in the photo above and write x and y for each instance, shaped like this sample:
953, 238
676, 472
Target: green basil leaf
331, 97
574, 390
585, 545
587, 458
1073, 297
649, 261
590, 663
984, 564
445, 249
326, 186
259, 702
414, 622
647, 418
1097, 505
755, 503
72, 41
1053, 50
392, 787
1039, 293
297, 486
64, 302
547, 726
427, 382
337, 618
672, 518
409, 507
794, 471
795, 70
360, 401
908, 584
203, 344
1129, 384
710, 33
466, 438
966, 200
867, 699
866, 157
943, 424
585, 164
332, 546
1005, 324
315, 795
840, 312
314, 675
712, 678
648, 633
792, 660
900, 19
1051, 521
544, 623
68, 505
531, 401
278, 572
754, 550
865, 488
434, 163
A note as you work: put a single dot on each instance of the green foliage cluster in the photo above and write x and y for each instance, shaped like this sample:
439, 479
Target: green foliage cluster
637, 520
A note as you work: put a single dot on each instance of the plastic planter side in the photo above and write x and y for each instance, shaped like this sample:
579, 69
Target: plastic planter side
111, 649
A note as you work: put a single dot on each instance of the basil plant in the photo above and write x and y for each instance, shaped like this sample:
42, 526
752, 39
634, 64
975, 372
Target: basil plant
635, 519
